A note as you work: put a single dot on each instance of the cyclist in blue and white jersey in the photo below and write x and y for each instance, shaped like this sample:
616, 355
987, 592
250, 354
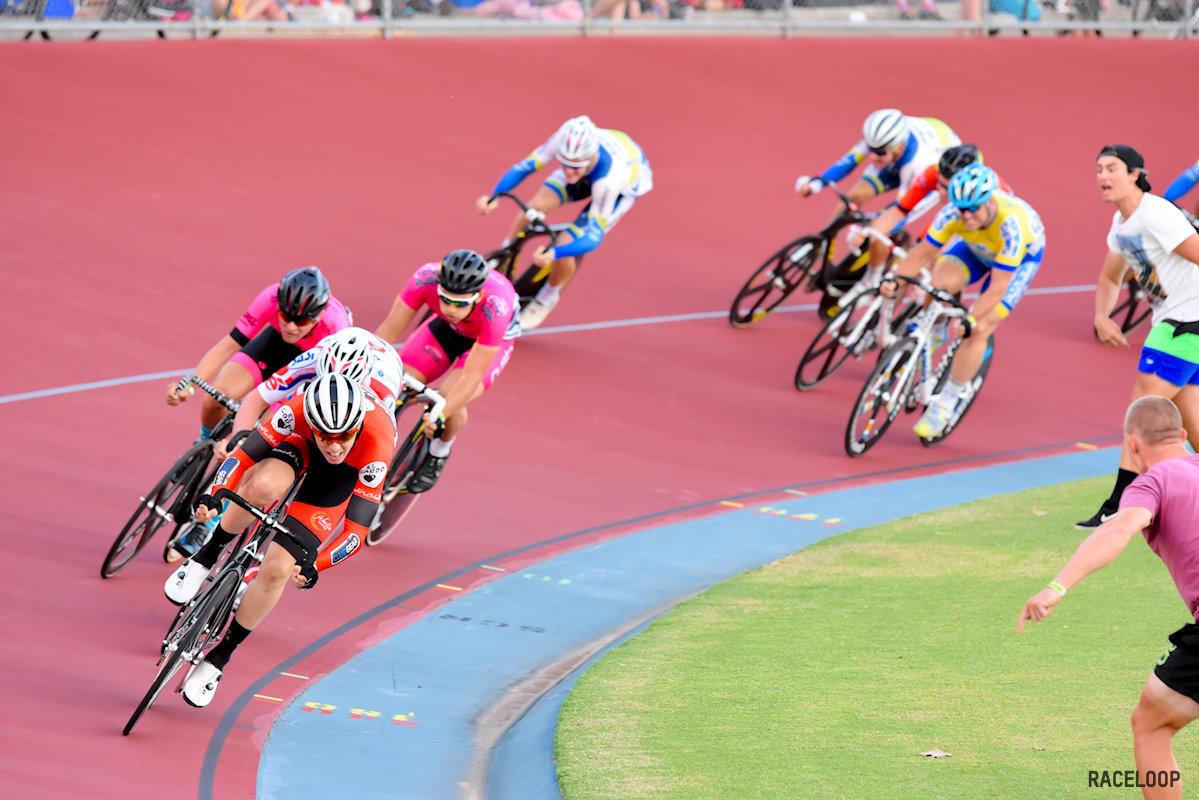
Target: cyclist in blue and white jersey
1183, 184
606, 168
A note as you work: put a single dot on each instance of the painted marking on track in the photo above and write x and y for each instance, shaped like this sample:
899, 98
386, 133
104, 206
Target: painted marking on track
1086, 446
797, 492
320, 708
731, 503
267, 697
808, 517
488, 566
447, 586
832, 521
292, 675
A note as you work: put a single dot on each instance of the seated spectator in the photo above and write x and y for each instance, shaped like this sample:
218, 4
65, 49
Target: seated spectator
525, 9
250, 11
927, 10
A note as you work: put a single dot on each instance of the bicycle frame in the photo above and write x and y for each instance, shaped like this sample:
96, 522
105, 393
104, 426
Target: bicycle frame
504, 259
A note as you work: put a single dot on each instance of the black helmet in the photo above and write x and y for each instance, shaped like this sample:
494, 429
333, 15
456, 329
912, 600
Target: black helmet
463, 272
956, 158
303, 293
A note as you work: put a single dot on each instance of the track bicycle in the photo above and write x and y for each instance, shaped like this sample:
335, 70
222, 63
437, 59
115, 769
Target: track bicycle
864, 321
1132, 308
172, 498
207, 615
505, 259
911, 370
415, 398
806, 262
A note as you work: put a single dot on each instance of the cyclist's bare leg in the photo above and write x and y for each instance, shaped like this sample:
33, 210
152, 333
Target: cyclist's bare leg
969, 355
545, 200
456, 421
269, 480
233, 380
264, 592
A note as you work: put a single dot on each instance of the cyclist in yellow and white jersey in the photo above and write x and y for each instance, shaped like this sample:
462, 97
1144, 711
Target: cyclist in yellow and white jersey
897, 149
982, 233
606, 168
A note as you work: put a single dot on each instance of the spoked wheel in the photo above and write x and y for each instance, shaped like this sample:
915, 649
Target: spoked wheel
1132, 309
976, 385
199, 629
881, 397
851, 332
775, 280
397, 501
157, 508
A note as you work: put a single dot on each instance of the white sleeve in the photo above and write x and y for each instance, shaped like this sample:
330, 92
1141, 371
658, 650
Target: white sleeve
1168, 225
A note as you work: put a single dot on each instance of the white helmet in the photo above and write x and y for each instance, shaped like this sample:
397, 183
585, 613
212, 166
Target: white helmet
334, 404
887, 127
578, 141
348, 352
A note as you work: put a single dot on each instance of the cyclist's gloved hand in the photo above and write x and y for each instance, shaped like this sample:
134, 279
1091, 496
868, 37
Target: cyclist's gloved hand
209, 502
309, 575
807, 186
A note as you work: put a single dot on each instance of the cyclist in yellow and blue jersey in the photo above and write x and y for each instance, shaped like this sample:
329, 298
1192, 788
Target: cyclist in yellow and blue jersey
606, 168
981, 234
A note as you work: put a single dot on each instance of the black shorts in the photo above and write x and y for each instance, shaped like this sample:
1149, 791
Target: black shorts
1179, 667
326, 486
453, 344
269, 351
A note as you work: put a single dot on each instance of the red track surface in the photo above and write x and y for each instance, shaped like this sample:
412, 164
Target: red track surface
150, 189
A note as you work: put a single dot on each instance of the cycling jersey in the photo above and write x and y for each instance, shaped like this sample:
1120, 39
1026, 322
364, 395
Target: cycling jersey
287, 436
927, 139
1015, 236
264, 311
926, 183
494, 317
619, 176
1183, 183
386, 373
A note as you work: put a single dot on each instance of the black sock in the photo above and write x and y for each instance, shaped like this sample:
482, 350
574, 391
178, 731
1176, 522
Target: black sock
1123, 478
208, 554
219, 656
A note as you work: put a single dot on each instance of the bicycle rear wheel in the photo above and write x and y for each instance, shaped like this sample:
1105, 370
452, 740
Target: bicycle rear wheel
154, 510
976, 385
775, 280
882, 397
851, 332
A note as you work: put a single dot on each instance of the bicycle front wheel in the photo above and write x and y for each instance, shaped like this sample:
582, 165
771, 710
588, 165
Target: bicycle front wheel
976, 385
851, 332
881, 397
775, 280
396, 501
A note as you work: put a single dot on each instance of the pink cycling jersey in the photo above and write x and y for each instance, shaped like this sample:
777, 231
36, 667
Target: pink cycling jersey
490, 322
264, 310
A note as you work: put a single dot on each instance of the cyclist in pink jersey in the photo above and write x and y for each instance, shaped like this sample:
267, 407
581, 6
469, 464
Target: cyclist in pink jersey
470, 334
1163, 504
284, 320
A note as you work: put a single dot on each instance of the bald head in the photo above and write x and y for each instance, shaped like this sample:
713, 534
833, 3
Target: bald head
1154, 420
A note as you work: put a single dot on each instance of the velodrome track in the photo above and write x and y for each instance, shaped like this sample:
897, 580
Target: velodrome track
150, 189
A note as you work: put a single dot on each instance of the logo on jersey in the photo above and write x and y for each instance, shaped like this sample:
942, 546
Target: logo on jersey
494, 308
372, 474
284, 421
346, 549
323, 521
225, 471
426, 276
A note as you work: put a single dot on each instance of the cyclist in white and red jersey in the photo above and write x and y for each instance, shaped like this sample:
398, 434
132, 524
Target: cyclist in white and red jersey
470, 335
284, 320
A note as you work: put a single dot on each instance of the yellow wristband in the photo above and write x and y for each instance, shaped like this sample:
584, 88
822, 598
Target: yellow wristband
1057, 587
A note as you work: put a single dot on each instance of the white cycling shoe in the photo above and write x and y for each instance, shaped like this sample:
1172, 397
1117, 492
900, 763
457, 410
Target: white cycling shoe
201, 685
185, 582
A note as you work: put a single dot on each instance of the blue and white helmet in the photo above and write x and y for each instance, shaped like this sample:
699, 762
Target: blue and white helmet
578, 141
972, 186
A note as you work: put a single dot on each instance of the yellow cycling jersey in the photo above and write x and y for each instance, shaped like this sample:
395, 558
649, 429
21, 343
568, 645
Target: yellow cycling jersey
1015, 236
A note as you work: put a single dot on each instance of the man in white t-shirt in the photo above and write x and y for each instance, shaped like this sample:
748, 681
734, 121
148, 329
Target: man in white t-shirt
1152, 237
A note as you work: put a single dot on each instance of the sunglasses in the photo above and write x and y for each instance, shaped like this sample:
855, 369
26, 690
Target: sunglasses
339, 438
970, 209
880, 151
574, 164
453, 303
301, 321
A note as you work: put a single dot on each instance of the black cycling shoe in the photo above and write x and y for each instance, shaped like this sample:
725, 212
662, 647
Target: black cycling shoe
426, 474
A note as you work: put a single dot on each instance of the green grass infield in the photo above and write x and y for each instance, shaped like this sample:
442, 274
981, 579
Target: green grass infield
826, 674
